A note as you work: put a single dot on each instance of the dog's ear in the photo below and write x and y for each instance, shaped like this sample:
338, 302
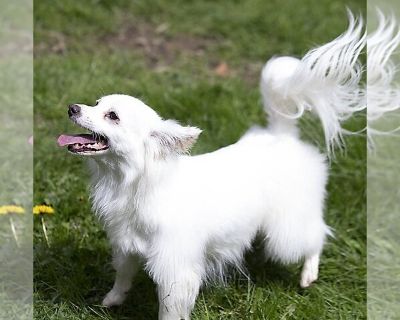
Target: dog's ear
172, 138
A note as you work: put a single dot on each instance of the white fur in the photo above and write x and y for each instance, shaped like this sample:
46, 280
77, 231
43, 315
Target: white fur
185, 218
325, 81
383, 94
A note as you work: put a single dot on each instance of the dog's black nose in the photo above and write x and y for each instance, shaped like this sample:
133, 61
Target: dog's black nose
73, 109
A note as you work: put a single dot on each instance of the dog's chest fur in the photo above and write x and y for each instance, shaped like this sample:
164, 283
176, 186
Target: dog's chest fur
115, 203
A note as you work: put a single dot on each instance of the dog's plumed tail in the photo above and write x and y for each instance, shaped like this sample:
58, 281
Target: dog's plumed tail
383, 93
325, 81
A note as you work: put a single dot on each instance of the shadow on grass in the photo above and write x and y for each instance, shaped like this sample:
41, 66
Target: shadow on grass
78, 275
263, 271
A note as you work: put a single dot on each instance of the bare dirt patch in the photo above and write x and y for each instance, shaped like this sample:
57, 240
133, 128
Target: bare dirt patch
161, 50
56, 42
18, 42
156, 45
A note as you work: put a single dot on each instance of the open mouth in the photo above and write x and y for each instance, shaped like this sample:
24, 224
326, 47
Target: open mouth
84, 144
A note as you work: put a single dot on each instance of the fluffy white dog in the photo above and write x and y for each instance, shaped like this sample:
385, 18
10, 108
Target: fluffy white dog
185, 218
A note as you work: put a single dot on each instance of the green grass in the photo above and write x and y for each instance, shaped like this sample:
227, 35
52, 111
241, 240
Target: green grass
16, 111
383, 226
383, 204
165, 52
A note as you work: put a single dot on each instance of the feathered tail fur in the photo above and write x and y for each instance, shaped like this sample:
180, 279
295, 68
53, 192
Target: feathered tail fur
383, 95
325, 81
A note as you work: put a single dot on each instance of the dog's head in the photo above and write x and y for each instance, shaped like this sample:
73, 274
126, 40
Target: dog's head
123, 126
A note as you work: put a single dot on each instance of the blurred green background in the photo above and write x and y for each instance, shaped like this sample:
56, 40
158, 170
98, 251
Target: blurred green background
197, 62
16, 157
383, 194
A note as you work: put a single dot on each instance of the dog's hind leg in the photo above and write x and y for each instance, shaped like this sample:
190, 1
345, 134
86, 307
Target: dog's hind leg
126, 267
310, 270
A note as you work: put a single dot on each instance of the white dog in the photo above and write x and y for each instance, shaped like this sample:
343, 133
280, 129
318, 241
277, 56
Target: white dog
185, 218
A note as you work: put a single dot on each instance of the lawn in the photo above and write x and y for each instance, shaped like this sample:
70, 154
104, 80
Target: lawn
383, 226
383, 204
197, 62
16, 155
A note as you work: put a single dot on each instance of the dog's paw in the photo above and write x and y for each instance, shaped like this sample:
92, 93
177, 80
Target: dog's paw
113, 298
308, 276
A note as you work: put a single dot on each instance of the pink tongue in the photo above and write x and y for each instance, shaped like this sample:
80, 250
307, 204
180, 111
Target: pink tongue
64, 139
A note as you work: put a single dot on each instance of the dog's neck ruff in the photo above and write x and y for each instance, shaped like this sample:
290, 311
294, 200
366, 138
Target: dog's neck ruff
119, 190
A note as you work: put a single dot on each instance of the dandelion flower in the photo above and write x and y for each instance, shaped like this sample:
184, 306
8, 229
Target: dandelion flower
43, 209
12, 209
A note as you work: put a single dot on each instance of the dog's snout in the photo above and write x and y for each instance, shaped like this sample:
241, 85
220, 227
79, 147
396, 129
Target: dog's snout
73, 109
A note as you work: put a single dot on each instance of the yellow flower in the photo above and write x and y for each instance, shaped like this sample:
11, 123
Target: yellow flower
42, 209
11, 209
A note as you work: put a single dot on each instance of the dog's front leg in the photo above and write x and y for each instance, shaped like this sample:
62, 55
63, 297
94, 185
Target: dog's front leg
126, 267
177, 297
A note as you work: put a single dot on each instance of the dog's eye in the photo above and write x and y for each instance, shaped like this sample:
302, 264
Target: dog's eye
112, 115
